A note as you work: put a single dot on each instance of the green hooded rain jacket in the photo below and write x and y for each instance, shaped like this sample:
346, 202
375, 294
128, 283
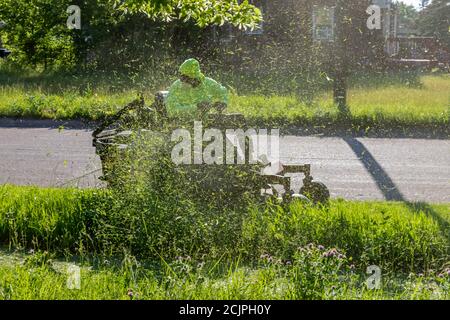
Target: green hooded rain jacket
183, 98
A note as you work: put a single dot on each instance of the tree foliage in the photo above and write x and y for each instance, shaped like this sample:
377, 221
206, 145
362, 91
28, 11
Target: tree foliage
408, 16
435, 21
36, 30
203, 12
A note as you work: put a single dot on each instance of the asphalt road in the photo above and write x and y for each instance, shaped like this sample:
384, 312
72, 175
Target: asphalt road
40, 153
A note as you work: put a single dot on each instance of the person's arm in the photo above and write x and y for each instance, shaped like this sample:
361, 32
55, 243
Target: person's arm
219, 95
174, 99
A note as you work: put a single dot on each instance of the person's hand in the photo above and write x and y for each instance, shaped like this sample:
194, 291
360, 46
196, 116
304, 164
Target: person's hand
220, 106
203, 108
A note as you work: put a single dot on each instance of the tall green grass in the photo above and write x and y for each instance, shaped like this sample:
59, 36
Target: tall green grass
58, 219
388, 100
395, 236
266, 252
213, 280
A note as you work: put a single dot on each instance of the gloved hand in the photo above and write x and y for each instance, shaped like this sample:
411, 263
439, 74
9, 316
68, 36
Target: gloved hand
203, 108
220, 106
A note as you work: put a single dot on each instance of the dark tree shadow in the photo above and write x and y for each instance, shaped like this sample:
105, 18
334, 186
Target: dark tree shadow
427, 209
389, 189
384, 182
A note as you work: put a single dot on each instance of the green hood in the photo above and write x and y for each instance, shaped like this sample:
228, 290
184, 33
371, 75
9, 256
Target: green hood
191, 68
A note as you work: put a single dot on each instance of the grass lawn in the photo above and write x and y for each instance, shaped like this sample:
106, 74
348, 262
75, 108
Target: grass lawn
265, 252
429, 100
384, 101
20, 279
298, 252
393, 104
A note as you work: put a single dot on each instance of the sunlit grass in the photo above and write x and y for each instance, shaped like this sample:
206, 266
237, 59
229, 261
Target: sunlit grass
428, 103
405, 240
264, 283
35, 103
424, 102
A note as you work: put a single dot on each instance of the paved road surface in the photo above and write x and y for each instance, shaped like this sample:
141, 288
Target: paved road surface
38, 153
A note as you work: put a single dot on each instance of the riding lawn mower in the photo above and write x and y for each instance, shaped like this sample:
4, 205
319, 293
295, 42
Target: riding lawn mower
117, 134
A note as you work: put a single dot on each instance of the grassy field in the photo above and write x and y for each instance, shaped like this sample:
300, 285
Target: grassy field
192, 280
425, 103
391, 100
151, 237
271, 252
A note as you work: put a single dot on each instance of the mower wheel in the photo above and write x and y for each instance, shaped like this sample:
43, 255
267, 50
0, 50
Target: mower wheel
300, 197
317, 192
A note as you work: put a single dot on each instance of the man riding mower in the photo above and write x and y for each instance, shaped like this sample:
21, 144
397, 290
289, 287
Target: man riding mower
195, 97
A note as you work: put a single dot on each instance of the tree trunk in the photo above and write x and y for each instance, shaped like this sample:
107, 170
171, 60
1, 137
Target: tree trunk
340, 65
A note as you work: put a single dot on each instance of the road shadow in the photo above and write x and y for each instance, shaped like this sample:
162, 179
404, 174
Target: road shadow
384, 183
389, 189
